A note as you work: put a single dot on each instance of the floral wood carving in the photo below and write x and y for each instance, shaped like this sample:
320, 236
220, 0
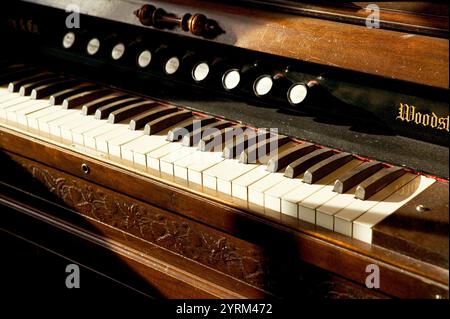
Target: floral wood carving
166, 231
193, 241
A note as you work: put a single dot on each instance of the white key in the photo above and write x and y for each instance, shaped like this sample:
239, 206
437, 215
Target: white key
22, 114
113, 131
33, 118
45, 120
190, 168
224, 173
55, 126
195, 171
343, 220
225, 179
66, 128
325, 213
85, 124
11, 112
240, 185
324, 209
291, 202
8, 97
115, 144
273, 195
209, 177
136, 150
90, 133
4, 90
166, 162
153, 157
257, 189
322, 191
362, 226
10, 103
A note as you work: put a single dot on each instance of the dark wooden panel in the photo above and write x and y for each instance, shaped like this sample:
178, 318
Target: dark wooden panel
420, 234
19, 252
140, 263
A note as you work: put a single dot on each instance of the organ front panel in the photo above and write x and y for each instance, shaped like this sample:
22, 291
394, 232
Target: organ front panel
232, 150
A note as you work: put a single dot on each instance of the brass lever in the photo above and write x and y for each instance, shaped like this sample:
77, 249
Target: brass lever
197, 24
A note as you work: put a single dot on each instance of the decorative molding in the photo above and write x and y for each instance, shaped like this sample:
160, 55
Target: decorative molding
195, 242
163, 230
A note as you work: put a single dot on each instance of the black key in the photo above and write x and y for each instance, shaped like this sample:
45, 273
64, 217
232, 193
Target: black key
52, 88
84, 97
58, 98
18, 73
303, 163
90, 107
356, 176
259, 151
209, 142
325, 167
104, 111
166, 121
26, 89
195, 136
141, 120
178, 133
378, 181
14, 86
241, 144
12, 67
130, 111
288, 156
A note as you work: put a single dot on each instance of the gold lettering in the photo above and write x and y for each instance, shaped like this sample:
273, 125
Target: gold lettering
408, 113
434, 120
442, 123
401, 112
426, 120
418, 118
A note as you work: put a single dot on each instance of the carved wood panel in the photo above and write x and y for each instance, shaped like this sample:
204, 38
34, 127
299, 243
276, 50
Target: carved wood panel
166, 231
258, 266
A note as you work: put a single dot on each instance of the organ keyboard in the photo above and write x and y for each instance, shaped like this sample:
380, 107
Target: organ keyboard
122, 131
331, 194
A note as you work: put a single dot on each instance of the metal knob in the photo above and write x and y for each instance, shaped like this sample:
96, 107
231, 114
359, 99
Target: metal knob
197, 24
421, 208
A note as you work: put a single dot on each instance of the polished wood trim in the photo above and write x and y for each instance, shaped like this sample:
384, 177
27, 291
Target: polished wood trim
421, 17
395, 55
419, 233
391, 54
170, 278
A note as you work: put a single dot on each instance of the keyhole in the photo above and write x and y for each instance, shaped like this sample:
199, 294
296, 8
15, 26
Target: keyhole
85, 169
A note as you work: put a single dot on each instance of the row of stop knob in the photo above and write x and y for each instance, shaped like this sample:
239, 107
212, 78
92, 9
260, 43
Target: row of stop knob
200, 70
